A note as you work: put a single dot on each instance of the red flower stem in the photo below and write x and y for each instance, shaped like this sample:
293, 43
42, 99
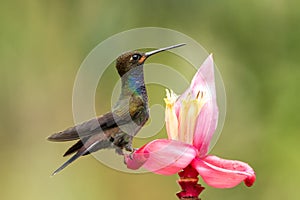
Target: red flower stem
188, 182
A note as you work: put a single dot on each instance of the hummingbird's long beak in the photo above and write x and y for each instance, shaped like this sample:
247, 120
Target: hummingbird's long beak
150, 53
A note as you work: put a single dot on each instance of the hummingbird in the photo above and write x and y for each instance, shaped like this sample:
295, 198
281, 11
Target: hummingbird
117, 128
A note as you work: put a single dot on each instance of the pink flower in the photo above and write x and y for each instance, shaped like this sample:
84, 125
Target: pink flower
191, 120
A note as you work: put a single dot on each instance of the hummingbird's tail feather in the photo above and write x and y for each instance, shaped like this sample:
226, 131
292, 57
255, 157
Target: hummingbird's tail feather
79, 153
84, 147
74, 148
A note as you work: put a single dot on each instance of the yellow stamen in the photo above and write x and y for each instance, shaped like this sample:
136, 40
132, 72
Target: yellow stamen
170, 115
189, 112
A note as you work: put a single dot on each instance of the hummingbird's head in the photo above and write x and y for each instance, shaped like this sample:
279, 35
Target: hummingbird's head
129, 60
132, 59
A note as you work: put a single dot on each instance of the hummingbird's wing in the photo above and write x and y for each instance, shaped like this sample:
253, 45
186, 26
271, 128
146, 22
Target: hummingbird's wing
104, 122
125, 111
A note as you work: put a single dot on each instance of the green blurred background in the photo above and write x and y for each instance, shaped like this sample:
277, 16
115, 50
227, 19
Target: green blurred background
42, 44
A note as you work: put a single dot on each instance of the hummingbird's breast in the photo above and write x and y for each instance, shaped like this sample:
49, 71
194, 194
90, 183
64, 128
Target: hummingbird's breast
138, 108
135, 94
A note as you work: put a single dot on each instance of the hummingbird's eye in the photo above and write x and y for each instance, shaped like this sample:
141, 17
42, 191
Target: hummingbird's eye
135, 57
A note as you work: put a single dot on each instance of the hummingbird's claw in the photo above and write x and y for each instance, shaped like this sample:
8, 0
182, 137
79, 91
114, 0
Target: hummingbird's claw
129, 156
131, 153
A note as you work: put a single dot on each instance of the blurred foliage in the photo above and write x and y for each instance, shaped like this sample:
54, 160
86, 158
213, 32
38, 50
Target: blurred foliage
42, 43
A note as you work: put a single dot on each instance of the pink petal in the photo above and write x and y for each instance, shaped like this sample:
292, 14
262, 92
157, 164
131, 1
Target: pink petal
162, 156
205, 77
206, 125
221, 173
207, 120
204, 80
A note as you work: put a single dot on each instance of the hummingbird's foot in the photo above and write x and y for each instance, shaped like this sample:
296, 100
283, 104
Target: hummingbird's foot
123, 141
128, 146
129, 156
131, 150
